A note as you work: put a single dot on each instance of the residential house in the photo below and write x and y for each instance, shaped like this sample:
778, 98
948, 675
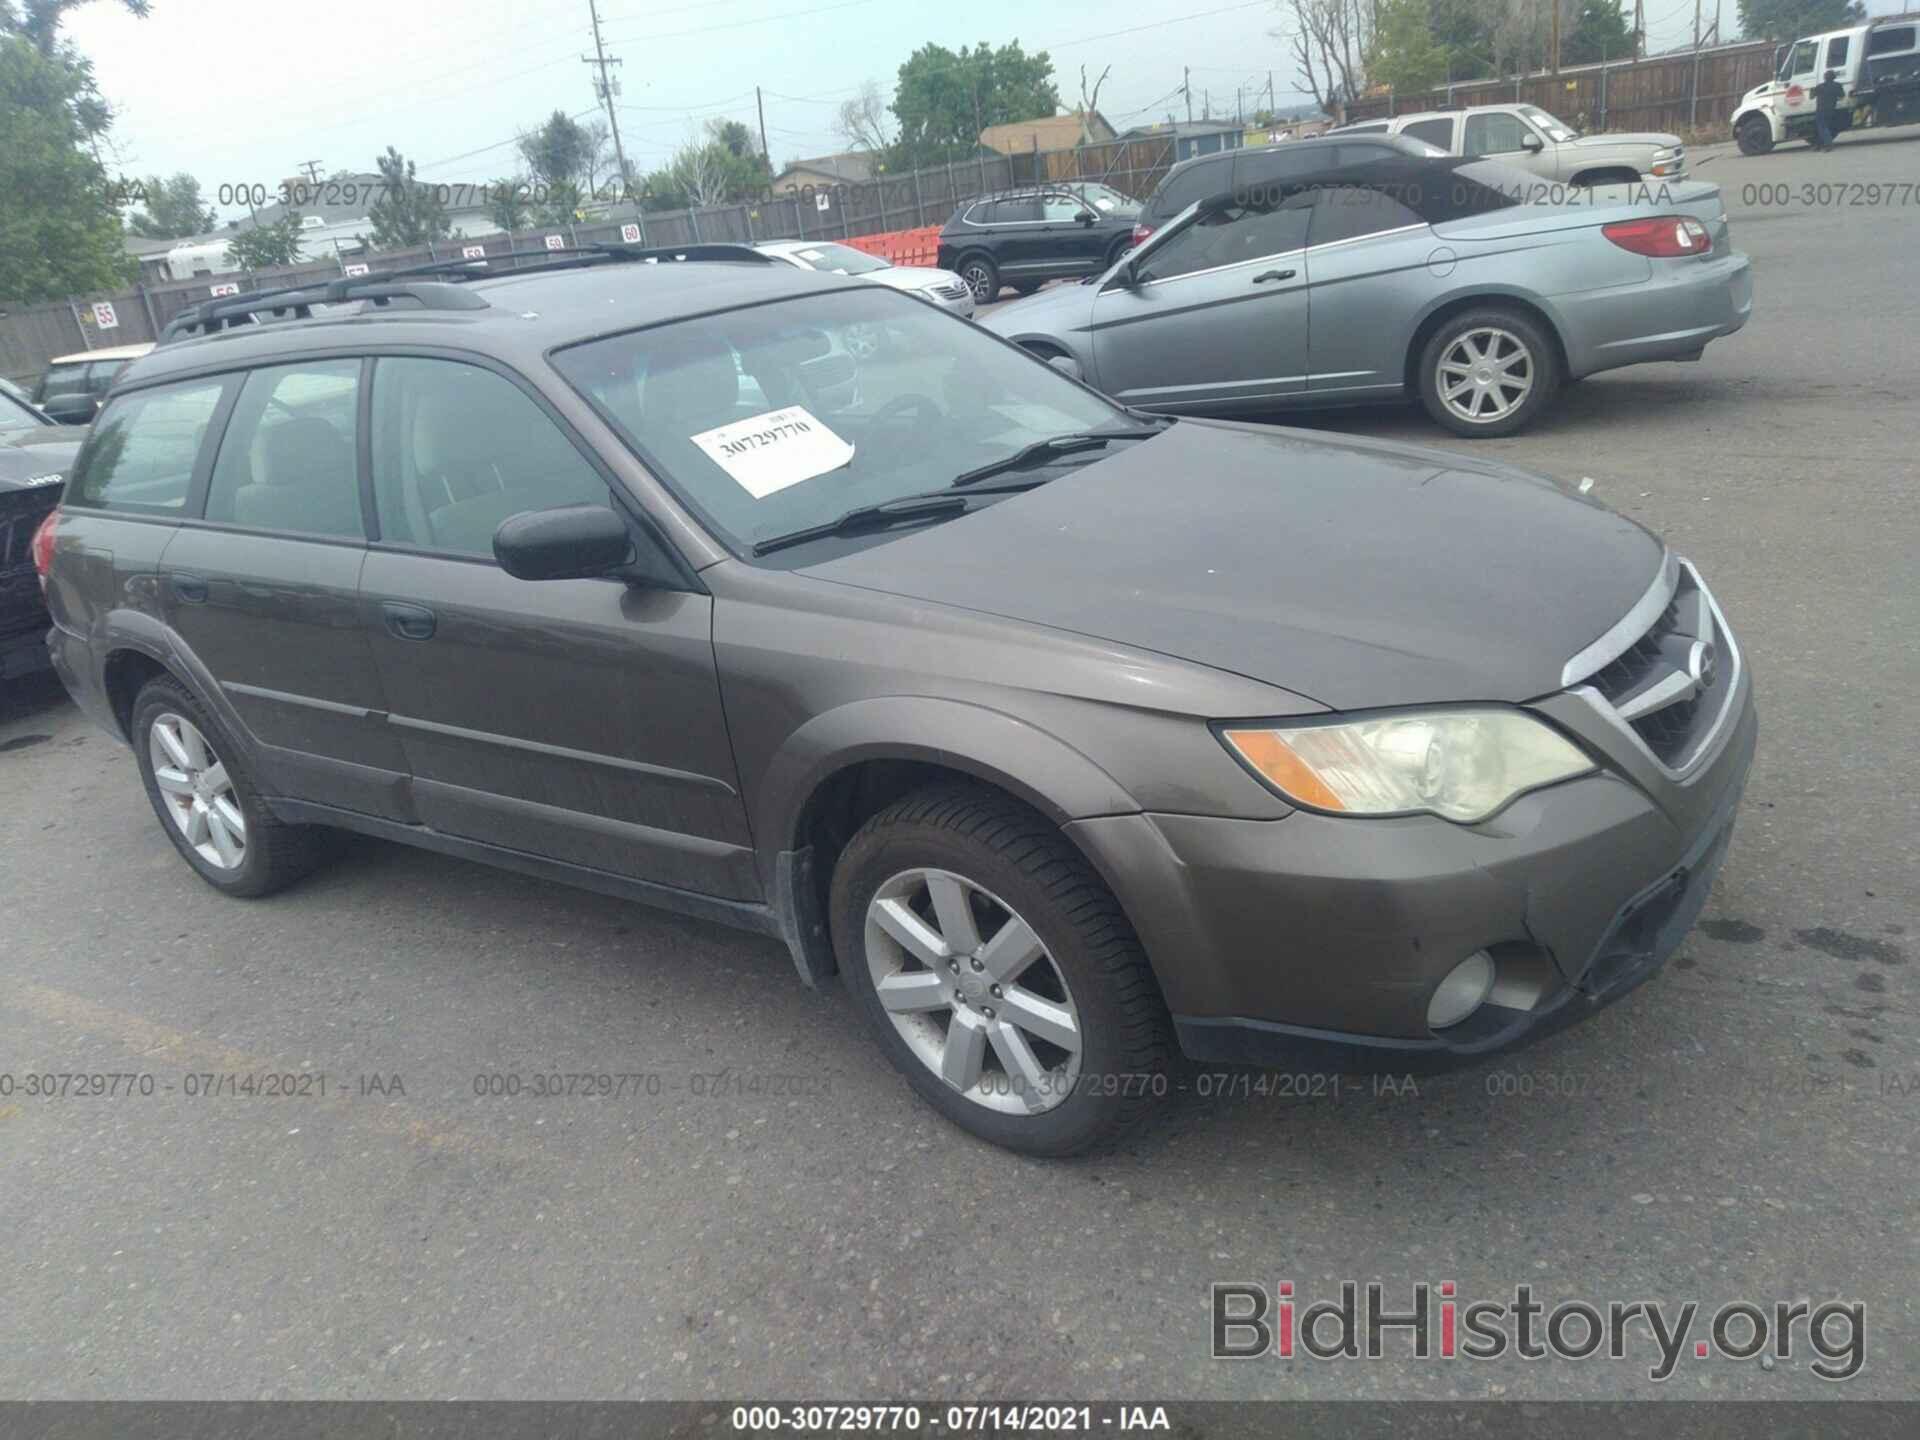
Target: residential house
1048, 132
1194, 137
823, 172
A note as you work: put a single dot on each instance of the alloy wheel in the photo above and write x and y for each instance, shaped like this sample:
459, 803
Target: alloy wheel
970, 987
196, 791
979, 278
1485, 374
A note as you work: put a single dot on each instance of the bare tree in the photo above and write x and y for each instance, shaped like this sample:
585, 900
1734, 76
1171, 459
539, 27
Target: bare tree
1090, 103
1330, 41
698, 170
864, 122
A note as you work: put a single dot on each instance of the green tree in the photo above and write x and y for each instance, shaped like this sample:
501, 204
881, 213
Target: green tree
174, 208
507, 202
261, 247
407, 212
944, 99
59, 233
1406, 56
1601, 31
1791, 19
559, 157
38, 21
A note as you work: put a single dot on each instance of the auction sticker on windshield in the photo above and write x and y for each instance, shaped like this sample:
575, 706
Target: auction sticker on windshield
768, 453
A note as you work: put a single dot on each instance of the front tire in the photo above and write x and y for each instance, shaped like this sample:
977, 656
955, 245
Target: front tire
1754, 136
207, 801
998, 972
1487, 372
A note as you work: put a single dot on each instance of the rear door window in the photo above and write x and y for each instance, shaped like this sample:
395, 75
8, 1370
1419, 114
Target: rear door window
288, 460
145, 447
1350, 212
1435, 132
63, 380
1837, 52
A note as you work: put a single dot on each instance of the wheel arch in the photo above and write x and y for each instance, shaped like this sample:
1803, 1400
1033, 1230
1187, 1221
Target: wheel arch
1776, 126
1607, 175
847, 764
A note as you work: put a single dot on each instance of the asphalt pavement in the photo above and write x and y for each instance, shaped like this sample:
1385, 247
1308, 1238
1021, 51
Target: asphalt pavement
767, 1211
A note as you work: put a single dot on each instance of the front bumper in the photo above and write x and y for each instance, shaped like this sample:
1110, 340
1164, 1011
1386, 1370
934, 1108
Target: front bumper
1321, 940
1672, 315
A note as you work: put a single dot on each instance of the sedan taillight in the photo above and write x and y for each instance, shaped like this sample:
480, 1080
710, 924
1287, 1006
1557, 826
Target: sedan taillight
41, 547
1664, 236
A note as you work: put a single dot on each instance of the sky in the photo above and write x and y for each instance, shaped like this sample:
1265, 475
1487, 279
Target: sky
245, 92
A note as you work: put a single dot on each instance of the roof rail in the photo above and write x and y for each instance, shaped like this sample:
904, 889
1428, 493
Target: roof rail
228, 311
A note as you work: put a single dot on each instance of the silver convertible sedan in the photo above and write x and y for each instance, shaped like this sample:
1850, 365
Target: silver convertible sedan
1476, 287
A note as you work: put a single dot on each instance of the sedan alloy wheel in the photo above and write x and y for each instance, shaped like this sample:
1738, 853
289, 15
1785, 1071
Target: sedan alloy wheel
1485, 375
196, 791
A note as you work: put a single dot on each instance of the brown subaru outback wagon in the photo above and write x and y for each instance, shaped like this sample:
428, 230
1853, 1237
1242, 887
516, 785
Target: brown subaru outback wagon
1067, 736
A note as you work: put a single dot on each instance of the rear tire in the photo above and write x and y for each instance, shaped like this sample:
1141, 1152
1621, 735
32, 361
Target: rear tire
1754, 136
1019, 976
1500, 370
207, 802
982, 277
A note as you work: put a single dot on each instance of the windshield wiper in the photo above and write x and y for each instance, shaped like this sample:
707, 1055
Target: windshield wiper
929, 505
1047, 449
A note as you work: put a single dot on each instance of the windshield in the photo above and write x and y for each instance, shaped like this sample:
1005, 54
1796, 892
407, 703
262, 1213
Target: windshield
14, 414
839, 259
773, 418
1557, 131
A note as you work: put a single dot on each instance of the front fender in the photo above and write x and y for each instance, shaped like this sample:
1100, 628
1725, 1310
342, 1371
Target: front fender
1767, 113
1039, 768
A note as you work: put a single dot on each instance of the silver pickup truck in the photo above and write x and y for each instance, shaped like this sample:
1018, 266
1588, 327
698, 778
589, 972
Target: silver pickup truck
1528, 138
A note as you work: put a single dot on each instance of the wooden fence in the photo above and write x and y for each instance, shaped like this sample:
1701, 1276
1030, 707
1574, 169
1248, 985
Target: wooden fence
1686, 93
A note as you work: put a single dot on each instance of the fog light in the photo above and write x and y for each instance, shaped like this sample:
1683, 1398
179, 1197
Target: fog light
1467, 985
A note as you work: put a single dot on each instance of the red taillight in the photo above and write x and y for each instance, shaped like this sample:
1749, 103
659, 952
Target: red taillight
1664, 236
41, 547
1140, 233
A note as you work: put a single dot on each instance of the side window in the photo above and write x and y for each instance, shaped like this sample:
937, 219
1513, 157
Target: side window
287, 460
457, 449
101, 375
1351, 211
1231, 236
1495, 134
1837, 52
1259, 175
1008, 212
1060, 207
64, 380
1434, 132
1887, 42
1379, 129
144, 447
1801, 61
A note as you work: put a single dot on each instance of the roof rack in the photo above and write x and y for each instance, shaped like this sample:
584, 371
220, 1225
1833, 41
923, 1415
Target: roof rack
408, 282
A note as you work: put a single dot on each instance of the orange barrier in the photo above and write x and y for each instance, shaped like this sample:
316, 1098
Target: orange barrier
902, 247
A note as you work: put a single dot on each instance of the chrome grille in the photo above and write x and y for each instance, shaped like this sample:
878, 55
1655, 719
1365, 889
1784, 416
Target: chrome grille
951, 292
1669, 681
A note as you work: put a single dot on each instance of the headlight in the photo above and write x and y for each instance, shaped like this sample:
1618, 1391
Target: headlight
1459, 764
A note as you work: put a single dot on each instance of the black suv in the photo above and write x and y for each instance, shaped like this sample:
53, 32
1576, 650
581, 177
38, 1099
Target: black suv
1064, 734
1235, 172
34, 456
1025, 238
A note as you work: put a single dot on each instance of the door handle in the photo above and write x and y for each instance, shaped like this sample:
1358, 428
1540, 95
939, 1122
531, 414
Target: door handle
408, 622
190, 588
1274, 275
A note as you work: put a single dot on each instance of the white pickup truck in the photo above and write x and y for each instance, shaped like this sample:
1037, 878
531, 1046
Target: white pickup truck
1879, 64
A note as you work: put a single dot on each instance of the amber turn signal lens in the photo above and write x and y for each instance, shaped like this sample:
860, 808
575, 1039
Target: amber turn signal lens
1274, 758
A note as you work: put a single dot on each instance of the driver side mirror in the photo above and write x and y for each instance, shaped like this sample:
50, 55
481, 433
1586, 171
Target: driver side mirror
572, 542
1086, 217
1532, 144
73, 408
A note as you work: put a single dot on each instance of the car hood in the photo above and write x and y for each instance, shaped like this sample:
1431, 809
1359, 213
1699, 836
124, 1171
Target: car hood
1351, 572
27, 457
1057, 309
1611, 141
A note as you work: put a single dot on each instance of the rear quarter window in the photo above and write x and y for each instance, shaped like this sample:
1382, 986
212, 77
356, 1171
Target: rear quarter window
146, 447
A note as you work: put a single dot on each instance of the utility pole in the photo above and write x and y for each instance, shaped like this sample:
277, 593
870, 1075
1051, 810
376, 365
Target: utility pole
1696, 24
1639, 28
1555, 68
761, 106
605, 86
312, 167
1186, 88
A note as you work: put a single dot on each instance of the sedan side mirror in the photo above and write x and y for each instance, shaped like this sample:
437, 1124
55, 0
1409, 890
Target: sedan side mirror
572, 542
1086, 217
73, 408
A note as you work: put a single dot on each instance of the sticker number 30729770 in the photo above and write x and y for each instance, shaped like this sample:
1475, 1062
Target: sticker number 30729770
769, 452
